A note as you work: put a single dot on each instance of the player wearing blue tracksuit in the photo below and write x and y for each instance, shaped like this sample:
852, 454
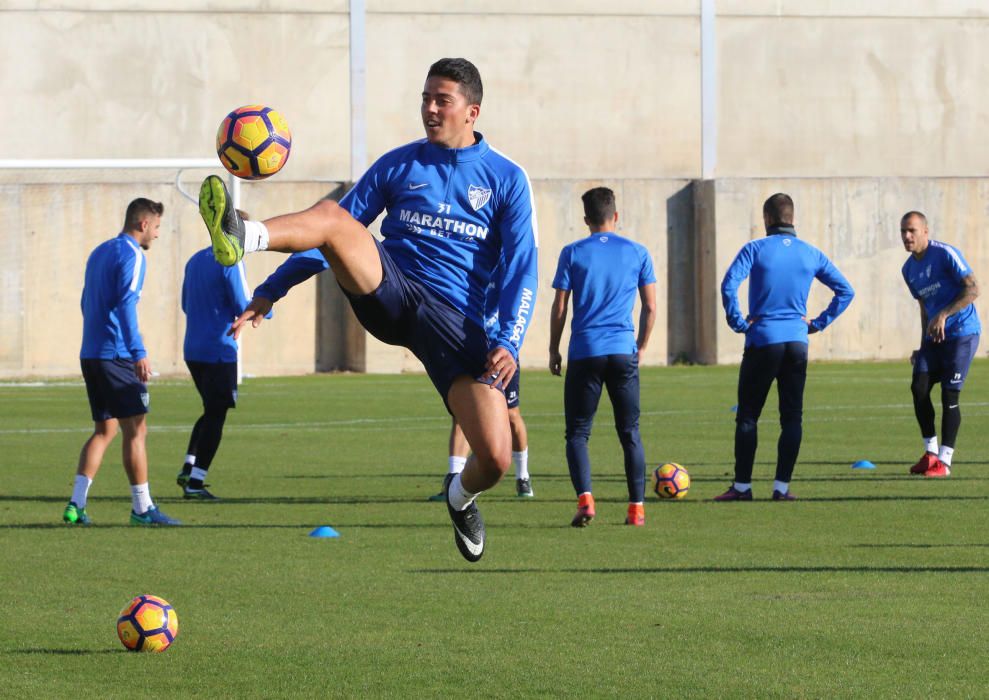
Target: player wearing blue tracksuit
942, 282
604, 273
453, 206
212, 297
780, 269
115, 364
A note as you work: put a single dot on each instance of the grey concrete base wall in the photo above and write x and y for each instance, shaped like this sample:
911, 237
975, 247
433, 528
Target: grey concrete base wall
692, 230
855, 222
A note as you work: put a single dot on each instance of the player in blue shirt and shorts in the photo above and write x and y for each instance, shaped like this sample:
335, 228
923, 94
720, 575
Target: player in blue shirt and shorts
604, 272
213, 296
115, 364
780, 269
454, 206
943, 285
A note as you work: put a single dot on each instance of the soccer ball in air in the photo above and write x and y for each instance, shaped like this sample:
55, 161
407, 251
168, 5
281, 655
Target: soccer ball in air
670, 481
147, 623
253, 142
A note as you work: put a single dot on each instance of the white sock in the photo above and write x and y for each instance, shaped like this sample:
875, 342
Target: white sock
80, 491
521, 460
944, 455
930, 444
456, 464
460, 497
781, 486
255, 236
140, 495
190, 459
742, 487
198, 473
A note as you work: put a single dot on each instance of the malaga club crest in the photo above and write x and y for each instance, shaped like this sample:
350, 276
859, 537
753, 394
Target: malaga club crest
478, 196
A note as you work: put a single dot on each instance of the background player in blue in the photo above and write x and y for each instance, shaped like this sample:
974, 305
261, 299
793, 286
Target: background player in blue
780, 268
454, 206
213, 296
115, 364
943, 284
603, 272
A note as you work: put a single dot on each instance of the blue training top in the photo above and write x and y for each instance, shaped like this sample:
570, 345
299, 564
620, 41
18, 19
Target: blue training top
780, 268
451, 215
212, 297
936, 279
604, 272
114, 279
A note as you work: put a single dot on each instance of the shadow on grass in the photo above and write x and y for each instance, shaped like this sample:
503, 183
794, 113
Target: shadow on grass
67, 652
727, 570
872, 545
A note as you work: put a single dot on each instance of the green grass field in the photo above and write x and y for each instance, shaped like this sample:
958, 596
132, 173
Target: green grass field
873, 584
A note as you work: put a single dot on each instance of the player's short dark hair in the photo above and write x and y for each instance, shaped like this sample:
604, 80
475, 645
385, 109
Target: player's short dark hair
461, 71
919, 215
778, 210
599, 205
140, 209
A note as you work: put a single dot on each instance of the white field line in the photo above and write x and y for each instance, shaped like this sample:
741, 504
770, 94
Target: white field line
441, 420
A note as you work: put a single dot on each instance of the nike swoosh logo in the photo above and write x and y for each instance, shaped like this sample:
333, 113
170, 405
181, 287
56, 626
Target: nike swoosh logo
955, 406
472, 547
418, 186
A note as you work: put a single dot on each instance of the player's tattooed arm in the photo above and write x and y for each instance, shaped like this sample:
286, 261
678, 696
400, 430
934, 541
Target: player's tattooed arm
969, 292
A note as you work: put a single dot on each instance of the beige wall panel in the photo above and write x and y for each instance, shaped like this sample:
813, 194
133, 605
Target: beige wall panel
61, 224
286, 344
879, 9
608, 97
851, 97
154, 85
855, 222
535, 7
204, 7
642, 207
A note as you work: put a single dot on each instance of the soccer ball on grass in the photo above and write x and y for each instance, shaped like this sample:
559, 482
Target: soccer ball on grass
670, 480
147, 623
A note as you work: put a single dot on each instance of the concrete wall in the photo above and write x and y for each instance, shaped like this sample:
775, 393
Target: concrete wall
855, 222
51, 228
857, 97
575, 89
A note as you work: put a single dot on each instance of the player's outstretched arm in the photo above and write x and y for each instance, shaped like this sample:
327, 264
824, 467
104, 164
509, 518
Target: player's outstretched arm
255, 313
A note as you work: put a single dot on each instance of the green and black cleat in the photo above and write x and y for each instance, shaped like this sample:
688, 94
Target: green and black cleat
226, 228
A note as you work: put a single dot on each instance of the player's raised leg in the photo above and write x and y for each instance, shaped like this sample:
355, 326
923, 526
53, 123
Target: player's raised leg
483, 416
347, 244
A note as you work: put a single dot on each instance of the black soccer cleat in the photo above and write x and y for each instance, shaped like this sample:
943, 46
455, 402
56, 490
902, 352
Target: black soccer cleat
226, 228
468, 529
191, 493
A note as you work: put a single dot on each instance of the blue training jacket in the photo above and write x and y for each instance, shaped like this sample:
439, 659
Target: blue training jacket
780, 268
212, 297
451, 215
936, 280
604, 272
114, 279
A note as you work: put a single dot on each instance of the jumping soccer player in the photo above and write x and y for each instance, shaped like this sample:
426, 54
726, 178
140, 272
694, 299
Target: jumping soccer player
454, 206
943, 284
115, 364
213, 296
603, 272
780, 268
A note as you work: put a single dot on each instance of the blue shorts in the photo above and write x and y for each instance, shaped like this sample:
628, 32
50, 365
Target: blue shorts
512, 395
113, 389
948, 361
216, 382
402, 311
